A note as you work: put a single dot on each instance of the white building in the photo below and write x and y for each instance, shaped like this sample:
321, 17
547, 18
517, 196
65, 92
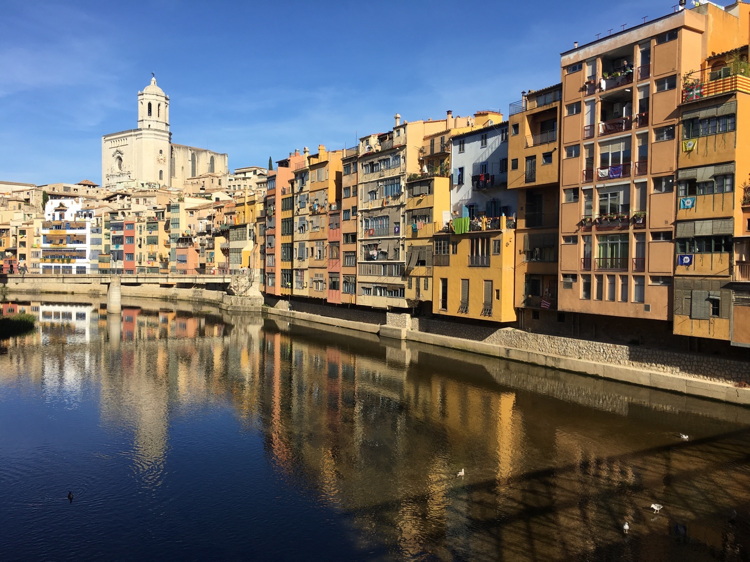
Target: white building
66, 237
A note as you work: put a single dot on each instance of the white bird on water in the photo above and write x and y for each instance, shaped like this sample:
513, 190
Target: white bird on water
625, 528
684, 437
656, 507
461, 473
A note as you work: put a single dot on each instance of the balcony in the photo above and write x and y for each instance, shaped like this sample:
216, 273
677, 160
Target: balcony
621, 170
613, 126
644, 71
441, 260
586, 264
716, 84
479, 261
612, 221
541, 138
611, 264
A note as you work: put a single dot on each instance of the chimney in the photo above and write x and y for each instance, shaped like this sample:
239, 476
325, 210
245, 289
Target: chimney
322, 151
397, 119
449, 123
575, 44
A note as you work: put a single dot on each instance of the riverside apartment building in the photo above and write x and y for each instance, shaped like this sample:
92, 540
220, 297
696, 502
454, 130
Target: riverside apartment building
626, 176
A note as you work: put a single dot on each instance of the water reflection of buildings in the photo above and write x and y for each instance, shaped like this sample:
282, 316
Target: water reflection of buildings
382, 433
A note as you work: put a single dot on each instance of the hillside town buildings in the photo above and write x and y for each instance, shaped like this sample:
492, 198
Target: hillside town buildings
617, 199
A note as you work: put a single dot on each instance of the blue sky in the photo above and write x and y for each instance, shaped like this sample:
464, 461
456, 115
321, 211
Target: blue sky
259, 79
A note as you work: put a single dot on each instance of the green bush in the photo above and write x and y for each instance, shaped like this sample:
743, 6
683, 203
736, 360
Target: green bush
16, 325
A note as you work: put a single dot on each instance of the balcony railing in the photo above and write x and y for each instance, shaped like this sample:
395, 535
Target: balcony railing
441, 260
541, 138
742, 271
639, 264
702, 88
612, 126
479, 261
644, 71
621, 170
620, 264
586, 264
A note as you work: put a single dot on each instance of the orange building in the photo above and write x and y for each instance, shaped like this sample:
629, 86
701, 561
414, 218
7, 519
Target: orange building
621, 99
712, 282
534, 171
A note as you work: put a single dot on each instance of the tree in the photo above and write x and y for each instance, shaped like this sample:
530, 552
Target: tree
45, 198
270, 163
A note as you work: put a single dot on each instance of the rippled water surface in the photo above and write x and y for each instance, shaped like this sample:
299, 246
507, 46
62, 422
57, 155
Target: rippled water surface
190, 436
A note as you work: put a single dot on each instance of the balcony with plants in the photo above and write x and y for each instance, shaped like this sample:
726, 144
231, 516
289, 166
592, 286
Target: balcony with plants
727, 73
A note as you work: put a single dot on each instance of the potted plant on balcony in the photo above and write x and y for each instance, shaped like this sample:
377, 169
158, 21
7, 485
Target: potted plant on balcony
585, 221
639, 217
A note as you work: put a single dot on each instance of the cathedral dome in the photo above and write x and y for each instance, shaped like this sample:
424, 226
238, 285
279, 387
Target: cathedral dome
152, 88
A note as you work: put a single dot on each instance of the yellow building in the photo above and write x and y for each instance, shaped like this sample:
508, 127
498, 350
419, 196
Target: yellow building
710, 232
473, 270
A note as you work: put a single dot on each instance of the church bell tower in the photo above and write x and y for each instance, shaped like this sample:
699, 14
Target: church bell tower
153, 108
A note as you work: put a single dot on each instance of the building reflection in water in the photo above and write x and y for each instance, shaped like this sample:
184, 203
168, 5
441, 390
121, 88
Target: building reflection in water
554, 463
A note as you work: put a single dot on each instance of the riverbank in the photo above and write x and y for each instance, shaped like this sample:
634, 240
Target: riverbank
693, 374
696, 375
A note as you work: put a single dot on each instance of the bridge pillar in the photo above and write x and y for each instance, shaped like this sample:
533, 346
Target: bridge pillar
114, 296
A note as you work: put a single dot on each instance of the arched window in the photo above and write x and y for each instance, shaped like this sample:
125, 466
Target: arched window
161, 175
149, 109
211, 165
158, 110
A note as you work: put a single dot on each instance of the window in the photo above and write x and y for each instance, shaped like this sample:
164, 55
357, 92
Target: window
570, 195
546, 158
496, 246
664, 133
705, 245
503, 165
664, 184
662, 280
460, 176
483, 140
666, 83
570, 239
670, 35
347, 214
574, 68
463, 306
573, 108
638, 288
661, 236
443, 294
514, 164
347, 190
573, 151
514, 129
461, 145
694, 128
586, 287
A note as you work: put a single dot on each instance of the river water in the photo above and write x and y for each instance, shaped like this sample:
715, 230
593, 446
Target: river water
187, 435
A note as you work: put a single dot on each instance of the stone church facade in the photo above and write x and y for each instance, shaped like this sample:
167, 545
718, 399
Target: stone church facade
145, 158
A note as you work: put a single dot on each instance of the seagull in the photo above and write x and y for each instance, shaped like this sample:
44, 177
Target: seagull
625, 528
684, 437
70, 497
656, 507
461, 473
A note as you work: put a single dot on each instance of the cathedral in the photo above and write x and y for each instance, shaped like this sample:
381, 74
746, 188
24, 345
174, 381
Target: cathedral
146, 158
